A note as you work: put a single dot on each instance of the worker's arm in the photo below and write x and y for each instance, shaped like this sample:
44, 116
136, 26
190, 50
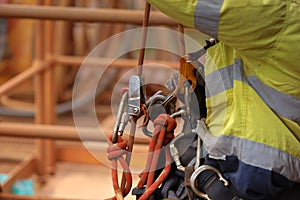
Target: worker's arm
180, 10
240, 24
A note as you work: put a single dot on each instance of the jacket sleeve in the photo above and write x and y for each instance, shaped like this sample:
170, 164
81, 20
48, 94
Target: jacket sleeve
252, 25
181, 11
240, 24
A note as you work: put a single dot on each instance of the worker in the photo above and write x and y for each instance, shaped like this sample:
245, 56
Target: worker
252, 76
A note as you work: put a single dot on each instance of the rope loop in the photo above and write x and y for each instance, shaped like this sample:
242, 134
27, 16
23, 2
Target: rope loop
117, 150
166, 121
115, 153
163, 133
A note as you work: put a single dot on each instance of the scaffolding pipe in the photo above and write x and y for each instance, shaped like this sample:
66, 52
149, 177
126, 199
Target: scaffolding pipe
37, 67
57, 132
103, 62
8, 196
49, 132
108, 15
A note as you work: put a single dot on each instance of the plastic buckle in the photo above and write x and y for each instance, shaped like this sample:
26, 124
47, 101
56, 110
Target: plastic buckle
197, 172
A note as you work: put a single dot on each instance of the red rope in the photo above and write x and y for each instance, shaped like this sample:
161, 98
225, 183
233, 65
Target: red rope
115, 153
164, 126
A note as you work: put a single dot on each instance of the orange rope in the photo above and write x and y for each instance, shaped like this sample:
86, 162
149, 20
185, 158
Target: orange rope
115, 153
164, 126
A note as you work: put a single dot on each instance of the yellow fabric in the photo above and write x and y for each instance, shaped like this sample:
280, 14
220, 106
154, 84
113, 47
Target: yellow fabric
269, 50
268, 45
264, 34
247, 121
181, 11
216, 58
241, 112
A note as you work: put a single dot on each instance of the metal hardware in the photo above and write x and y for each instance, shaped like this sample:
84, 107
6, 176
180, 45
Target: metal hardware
174, 150
157, 96
136, 110
157, 104
169, 99
198, 153
136, 95
178, 113
197, 172
119, 117
124, 121
187, 86
191, 57
175, 154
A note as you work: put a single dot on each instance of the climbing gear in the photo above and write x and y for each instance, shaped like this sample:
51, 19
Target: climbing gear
187, 73
195, 175
115, 153
135, 100
161, 110
188, 137
248, 69
185, 148
163, 132
158, 178
121, 119
136, 95
187, 177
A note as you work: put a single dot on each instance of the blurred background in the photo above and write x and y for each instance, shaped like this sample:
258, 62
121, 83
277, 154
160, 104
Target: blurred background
41, 154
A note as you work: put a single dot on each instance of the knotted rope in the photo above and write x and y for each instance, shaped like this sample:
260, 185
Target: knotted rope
115, 153
163, 133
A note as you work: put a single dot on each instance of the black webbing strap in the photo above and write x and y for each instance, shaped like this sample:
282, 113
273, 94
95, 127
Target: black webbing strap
187, 175
209, 183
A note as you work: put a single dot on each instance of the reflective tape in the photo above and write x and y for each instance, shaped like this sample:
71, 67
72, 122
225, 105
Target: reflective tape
250, 152
207, 16
223, 79
219, 81
254, 154
283, 104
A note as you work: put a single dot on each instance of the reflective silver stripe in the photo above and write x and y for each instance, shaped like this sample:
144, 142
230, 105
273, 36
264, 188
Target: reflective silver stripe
250, 152
219, 81
285, 105
223, 79
207, 16
255, 154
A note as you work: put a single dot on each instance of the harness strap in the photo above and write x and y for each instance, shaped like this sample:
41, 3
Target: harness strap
210, 183
187, 175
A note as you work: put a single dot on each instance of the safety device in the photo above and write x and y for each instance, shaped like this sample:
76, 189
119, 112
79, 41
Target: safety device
252, 81
252, 99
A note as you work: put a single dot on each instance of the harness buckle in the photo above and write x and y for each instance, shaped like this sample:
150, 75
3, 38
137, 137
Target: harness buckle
197, 172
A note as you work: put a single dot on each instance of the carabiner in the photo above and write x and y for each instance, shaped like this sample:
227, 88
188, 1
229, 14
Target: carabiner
119, 117
198, 171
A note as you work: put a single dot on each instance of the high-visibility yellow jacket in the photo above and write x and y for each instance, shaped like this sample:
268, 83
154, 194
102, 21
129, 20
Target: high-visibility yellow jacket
252, 77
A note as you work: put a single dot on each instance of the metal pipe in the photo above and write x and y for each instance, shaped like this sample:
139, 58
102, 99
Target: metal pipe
49, 91
58, 132
82, 14
39, 99
48, 132
102, 62
8, 196
37, 67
